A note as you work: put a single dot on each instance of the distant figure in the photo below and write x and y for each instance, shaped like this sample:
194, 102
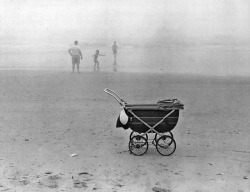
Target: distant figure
76, 54
114, 49
96, 66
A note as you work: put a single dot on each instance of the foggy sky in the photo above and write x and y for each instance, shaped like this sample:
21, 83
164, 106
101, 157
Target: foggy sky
60, 21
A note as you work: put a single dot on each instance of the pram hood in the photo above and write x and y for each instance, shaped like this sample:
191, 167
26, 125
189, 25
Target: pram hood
170, 104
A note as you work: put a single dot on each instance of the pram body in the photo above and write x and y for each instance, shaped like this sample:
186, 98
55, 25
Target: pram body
143, 119
151, 114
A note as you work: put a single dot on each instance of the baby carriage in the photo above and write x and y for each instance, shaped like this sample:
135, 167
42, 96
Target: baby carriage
142, 119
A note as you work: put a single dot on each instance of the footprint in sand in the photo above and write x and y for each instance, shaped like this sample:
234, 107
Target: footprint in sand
54, 177
79, 184
50, 181
25, 181
53, 185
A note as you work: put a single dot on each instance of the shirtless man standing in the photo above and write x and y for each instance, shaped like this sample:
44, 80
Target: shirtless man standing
76, 54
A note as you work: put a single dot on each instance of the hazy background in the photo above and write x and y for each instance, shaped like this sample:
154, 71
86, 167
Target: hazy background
209, 37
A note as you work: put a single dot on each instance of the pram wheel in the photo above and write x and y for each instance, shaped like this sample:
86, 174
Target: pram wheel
138, 145
157, 136
166, 145
133, 133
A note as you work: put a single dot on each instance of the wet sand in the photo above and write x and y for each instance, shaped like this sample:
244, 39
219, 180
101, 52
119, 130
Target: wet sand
46, 116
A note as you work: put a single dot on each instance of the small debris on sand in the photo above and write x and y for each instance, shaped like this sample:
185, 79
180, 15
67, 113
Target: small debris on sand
73, 155
76, 181
7, 189
25, 181
219, 173
158, 189
85, 173
121, 152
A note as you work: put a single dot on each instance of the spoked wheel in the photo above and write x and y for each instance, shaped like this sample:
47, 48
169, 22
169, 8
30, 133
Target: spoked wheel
133, 133
166, 145
138, 145
157, 136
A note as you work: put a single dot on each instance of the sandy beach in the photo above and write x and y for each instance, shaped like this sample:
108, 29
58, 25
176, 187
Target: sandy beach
58, 133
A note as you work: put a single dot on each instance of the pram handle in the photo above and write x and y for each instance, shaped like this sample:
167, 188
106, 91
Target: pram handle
115, 95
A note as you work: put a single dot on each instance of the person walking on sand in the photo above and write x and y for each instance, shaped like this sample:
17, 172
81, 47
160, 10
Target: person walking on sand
76, 54
96, 66
114, 49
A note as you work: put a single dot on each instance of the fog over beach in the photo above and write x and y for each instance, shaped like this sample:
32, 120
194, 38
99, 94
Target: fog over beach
207, 38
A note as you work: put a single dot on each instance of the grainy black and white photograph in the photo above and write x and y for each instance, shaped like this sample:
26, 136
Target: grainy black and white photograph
125, 95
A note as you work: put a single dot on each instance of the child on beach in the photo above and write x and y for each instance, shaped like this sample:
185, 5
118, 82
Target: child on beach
96, 66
